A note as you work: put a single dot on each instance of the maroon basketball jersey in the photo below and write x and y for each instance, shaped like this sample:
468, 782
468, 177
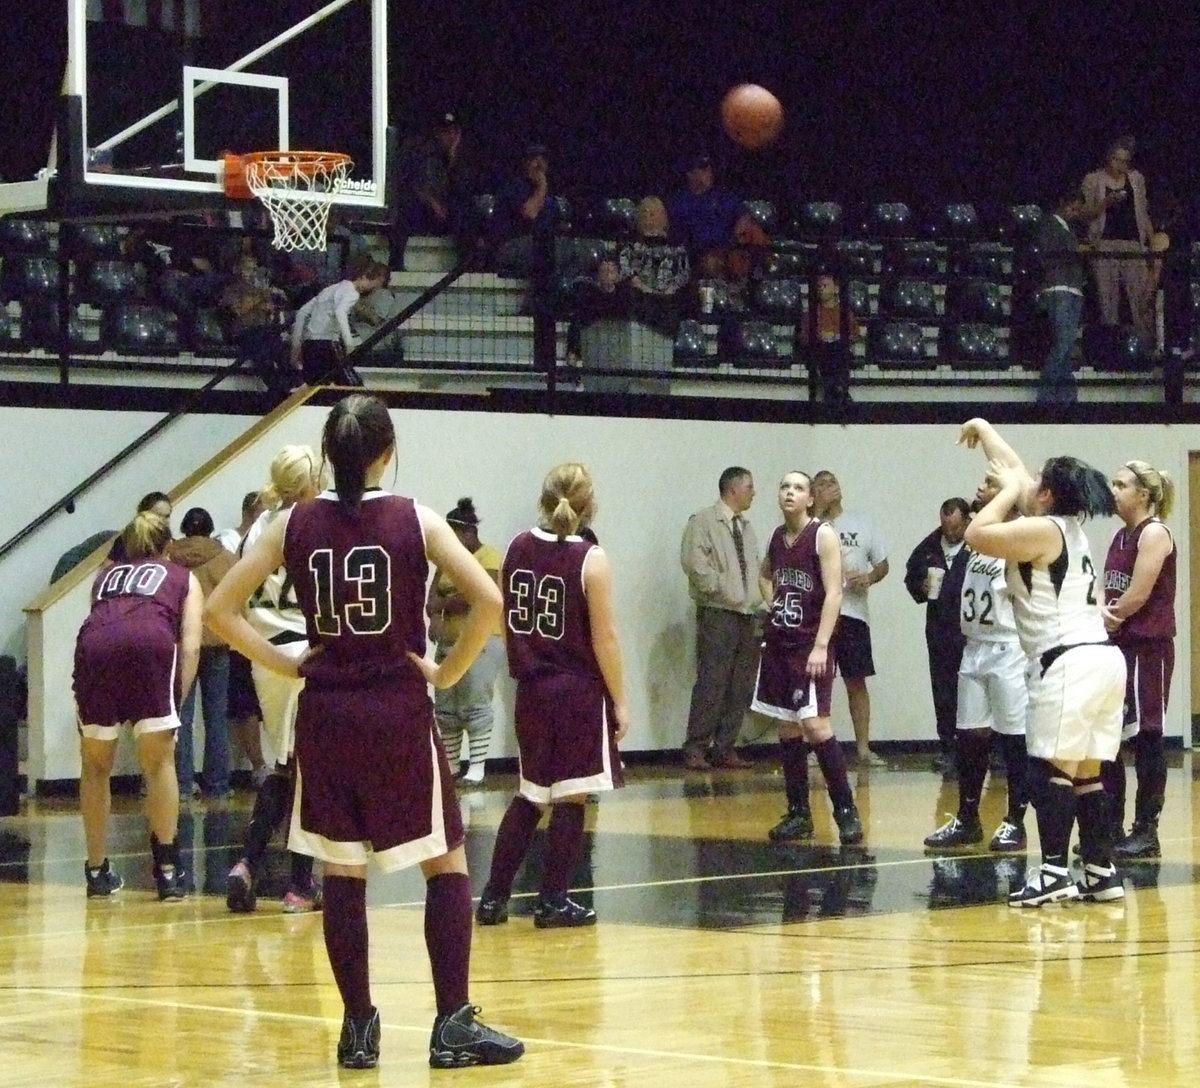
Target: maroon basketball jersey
799, 589
360, 578
545, 609
1156, 618
143, 598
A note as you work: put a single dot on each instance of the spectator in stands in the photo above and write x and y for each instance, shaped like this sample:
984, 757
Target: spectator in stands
209, 562
702, 215
650, 263
1119, 224
527, 218
1061, 295
253, 307
435, 188
736, 261
321, 334
826, 333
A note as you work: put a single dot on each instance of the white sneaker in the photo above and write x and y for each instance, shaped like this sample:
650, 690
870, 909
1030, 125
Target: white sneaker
474, 775
1045, 884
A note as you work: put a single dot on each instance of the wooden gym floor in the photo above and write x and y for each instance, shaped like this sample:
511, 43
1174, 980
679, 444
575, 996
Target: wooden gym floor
718, 961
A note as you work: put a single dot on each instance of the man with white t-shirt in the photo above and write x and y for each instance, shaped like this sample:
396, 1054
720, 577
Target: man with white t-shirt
321, 336
864, 563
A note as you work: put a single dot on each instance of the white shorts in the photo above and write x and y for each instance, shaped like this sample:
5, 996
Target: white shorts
1075, 710
113, 732
992, 693
279, 699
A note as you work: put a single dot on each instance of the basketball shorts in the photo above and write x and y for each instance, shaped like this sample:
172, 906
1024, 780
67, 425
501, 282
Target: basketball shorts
372, 779
1075, 708
784, 689
1149, 664
992, 692
121, 681
279, 699
851, 648
565, 727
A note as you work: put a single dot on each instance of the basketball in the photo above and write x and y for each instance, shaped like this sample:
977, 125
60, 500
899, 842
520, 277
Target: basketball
751, 115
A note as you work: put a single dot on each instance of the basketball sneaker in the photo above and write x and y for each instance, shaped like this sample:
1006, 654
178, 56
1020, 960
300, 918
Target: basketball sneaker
1101, 884
459, 1040
955, 832
1141, 842
358, 1045
850, 828
239, 889
102, 881
1045, 884
492, 909
302, 900
1008, 836
561, 912
169, 875
796, 824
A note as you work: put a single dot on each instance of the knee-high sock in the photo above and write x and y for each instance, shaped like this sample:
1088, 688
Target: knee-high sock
564, 837
1016, 770
451, 730
971, 753
1150, 759
793, 755
272, 804
1093, 808
1053, 797
1112, 774
448, 938
345, 923
833, 767
512, 843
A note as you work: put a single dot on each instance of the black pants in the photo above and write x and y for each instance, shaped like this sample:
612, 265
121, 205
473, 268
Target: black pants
324, 363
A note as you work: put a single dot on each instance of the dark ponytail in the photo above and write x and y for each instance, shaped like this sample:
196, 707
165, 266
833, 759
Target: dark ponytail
357, 433
1078, 489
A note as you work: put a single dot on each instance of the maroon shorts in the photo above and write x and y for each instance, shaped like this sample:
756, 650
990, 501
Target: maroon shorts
785, 690
1149, 663
565, 729
121, 675
373, 771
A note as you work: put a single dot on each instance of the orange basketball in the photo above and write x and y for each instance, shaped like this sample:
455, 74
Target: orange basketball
751, 115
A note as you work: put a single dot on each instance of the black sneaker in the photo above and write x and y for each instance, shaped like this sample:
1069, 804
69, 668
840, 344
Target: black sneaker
102, 881
171, 882
797, 824
1045, 884
955, 832
239, 889
1008, 836
1101, 884
492, 909
358, 1045
459, 1040
561, 912
850, 828
1141, 842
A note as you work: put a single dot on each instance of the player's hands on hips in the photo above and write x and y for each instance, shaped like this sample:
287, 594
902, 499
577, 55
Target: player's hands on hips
1111, 622
429, 669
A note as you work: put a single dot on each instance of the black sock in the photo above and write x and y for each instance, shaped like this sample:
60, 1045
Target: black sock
793, 755
1093, 807
1150, 759
832, 761
1016, 769
971, 755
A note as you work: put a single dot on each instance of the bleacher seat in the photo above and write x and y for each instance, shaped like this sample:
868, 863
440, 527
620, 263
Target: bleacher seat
779, 297
795, 260
859, 258
901, 343
208, 335
923, 259
751, 343
990, 260
141, 329
858, 295
94, 241
978, 299
763, 213
818, 221
889, 219
956, 222
41, 327
30, 275
1021, 222
975, 345
691, 345
110, 281
911, 300
21, 235
614, 217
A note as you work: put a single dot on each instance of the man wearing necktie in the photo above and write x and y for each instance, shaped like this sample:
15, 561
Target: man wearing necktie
721, 557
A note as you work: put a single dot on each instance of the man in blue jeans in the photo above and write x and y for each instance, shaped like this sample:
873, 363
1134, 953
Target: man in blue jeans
1061, 295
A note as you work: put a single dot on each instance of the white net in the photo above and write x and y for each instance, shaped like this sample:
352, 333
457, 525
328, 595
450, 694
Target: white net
298, 188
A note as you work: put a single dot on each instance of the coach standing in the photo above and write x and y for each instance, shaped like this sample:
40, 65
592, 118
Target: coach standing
721, 558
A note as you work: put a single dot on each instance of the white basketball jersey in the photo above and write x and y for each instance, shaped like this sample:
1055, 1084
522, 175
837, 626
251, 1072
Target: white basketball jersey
986, 614
273, 609
1058, 605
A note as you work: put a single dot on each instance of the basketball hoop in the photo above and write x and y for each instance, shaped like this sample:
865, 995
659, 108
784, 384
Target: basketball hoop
297, 188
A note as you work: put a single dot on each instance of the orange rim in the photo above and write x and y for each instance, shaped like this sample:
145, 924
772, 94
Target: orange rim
301, 162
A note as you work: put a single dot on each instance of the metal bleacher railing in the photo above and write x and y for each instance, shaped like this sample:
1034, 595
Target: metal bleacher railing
944, 308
